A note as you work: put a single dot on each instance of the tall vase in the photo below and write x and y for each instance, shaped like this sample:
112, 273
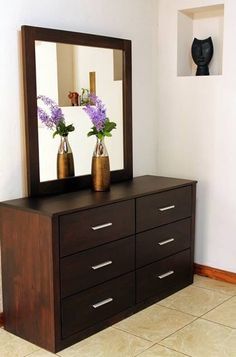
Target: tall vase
100, 167
65, 161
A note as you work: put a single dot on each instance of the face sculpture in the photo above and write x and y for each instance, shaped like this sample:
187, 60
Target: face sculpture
202, 52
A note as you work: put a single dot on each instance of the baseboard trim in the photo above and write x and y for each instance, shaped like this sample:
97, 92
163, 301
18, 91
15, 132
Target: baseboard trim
1, 319
214, 273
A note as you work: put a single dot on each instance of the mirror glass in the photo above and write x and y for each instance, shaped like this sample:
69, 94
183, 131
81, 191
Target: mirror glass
62, 72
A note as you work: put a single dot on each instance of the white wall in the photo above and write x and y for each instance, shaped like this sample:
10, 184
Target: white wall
46, 69
131, 19
196, 134
100, 61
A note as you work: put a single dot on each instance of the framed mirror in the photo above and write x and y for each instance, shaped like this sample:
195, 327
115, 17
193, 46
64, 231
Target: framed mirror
65, 67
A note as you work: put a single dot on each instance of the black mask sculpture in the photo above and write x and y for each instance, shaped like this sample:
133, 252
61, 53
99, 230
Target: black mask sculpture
202, 52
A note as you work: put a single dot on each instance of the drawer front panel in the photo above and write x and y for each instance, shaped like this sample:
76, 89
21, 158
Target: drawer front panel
93, 227
162, 208
97, 304
158, 277
86, 269
161, 242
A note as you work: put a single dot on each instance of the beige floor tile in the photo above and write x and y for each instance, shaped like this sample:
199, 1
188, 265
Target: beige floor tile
13, 346
194, 300
203, 339
42, 353
107, 343
160, 351
155, 323
220, 286
224, 314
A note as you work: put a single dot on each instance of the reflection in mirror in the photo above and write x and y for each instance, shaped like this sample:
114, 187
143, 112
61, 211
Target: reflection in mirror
62, 72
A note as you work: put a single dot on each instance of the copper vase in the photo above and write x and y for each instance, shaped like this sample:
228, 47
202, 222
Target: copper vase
100, 167
65, 161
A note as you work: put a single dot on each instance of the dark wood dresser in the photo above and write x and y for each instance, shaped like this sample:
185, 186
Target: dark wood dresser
75, 263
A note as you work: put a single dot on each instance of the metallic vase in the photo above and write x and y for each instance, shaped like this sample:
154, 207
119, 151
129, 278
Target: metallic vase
65, 161
100, 167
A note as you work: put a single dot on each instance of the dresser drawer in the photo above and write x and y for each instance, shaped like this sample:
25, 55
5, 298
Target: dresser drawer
94, 266
93, 227
97, 304
162, 208
158, 243
157, 277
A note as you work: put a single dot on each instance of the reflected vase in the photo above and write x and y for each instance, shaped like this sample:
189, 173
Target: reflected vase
100, 167
65, 160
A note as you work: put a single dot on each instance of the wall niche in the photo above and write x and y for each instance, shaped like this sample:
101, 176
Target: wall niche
201, 23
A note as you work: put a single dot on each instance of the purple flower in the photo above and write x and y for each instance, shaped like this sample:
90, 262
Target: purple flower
51, 117
47, 101
56, 115
97, 112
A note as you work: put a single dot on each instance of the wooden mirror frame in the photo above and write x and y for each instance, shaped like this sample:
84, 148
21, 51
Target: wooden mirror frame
29, 36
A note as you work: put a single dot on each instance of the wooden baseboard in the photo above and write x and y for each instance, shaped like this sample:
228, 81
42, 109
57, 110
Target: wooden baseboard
1, 319
214, 273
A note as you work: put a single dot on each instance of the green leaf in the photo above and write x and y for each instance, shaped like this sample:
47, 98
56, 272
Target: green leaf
109, 126
70, 128
100, 135
55, 133
107, 133
62, 129
91, 133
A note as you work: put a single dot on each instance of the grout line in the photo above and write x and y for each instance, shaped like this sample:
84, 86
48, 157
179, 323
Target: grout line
157, 344
131, 333
230, 297
29, 354
211, 289
218, 323
172, 349
181, 328
172, 308
199, 316
183, 312
146, 350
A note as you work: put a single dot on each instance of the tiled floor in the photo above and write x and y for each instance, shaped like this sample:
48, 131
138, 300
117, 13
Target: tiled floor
198, 321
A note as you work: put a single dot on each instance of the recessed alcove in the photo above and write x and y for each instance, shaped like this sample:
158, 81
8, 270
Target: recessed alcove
201, 23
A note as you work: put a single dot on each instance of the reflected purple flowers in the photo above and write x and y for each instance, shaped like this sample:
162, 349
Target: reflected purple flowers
96, 112
51, 117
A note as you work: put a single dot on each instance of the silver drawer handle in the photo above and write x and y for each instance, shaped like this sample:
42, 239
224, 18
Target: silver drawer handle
103, 302
95, 267
102, 226
166, 274
166, 208
166, 241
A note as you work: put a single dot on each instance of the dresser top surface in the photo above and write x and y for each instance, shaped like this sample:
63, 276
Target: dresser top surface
84, 199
